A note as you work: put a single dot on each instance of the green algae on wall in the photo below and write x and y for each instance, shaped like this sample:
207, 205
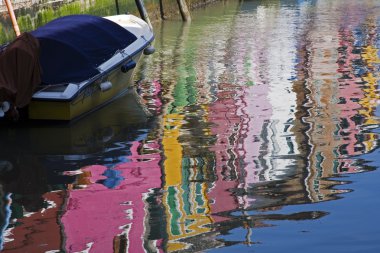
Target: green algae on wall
36, 15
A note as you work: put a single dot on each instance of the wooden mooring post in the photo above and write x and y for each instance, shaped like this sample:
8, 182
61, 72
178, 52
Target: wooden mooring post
117, 7
143, 12
162, 10
185, 14
13, 17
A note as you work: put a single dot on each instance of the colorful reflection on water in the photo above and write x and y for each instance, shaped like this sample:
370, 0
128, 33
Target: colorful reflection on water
260, 108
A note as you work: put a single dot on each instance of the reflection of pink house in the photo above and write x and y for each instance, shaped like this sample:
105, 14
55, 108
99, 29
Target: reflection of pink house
102, 219
238, 134
255, 111
239, 115
223, 113
150, 94
253, 106
350, 94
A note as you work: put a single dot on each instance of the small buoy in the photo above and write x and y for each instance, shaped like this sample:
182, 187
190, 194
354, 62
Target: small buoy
128, 66
149, 50
105, 86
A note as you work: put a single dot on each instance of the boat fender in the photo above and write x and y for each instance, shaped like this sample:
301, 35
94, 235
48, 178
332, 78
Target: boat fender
149, 50
128, 66
4, 107
104, 86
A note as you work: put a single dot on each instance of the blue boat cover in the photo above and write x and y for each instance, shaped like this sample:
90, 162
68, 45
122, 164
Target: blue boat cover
71, 47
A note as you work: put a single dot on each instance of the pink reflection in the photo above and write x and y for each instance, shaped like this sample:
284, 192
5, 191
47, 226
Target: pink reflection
351, 92
150, 94
100, 219
223, 113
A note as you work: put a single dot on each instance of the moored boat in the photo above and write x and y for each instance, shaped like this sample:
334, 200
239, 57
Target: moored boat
72, 65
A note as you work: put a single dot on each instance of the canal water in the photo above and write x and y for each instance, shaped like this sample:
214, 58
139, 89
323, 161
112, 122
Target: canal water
263, 137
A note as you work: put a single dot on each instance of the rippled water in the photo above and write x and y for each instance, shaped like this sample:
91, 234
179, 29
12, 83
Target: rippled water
264, 113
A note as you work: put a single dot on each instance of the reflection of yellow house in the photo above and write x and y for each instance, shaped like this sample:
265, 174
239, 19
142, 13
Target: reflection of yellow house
187, 206
185, 198
327, 135
369, 103
371, 95
173, 149
185, 202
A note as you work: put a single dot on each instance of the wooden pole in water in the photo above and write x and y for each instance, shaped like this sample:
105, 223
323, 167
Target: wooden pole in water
13, 17
117, 7
143, 12
185, 14
162, 10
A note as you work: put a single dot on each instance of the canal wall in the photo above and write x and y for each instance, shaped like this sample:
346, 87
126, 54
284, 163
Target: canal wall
34, 13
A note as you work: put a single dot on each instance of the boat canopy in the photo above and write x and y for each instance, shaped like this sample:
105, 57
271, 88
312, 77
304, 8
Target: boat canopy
72, 47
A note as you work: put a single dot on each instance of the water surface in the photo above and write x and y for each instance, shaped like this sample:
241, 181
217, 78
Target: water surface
263, 138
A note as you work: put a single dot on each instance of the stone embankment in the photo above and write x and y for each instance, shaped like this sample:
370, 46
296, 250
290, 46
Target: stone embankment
170, 7
31, 14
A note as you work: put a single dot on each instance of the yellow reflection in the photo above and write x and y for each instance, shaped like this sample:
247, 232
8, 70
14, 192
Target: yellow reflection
172, 149
371, 96
187, 205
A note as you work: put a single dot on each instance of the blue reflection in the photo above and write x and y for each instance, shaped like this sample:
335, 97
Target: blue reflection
114, 178
5, 214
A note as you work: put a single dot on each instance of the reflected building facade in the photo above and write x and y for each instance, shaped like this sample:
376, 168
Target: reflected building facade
245, 124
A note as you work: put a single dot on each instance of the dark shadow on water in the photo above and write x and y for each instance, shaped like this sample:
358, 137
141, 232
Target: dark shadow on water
34, 154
